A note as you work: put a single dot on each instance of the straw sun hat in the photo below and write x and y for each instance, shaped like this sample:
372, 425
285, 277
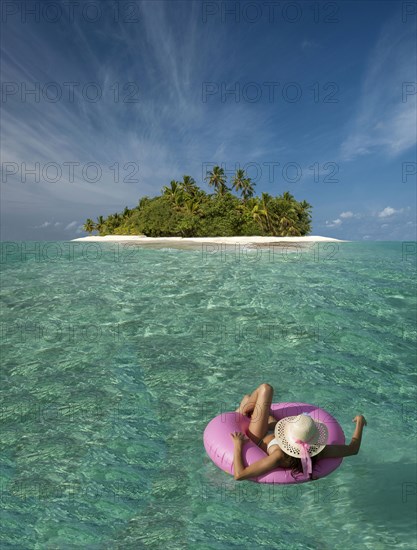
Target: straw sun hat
302, 437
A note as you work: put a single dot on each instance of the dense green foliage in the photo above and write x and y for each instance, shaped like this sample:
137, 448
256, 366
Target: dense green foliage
185, 210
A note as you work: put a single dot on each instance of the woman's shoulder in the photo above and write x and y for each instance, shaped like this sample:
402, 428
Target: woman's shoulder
281, 459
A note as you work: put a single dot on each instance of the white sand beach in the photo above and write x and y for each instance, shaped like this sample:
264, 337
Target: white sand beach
141, 239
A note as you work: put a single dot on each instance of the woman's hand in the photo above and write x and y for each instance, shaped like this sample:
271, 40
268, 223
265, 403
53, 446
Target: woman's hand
360, 419
238, 437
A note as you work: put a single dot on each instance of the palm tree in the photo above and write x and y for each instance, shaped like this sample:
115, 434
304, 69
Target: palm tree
304, 205
251, 202
175, 194
289, 227
189, 185
286, 196
89, 226
266, 202
241, 183
112, 221
248, 189
238, 180
192, 207
100, 224
259, 215
288, 216
217, 179
143, 201
304, 217
178, 200
174, 189
126, 212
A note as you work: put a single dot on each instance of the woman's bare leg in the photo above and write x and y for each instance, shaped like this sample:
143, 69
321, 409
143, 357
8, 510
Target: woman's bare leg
247, 406
258, 426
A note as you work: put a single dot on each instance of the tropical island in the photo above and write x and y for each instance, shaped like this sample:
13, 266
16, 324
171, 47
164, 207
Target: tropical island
185, 210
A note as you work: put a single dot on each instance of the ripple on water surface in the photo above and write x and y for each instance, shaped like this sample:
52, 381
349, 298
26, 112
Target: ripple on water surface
113, 368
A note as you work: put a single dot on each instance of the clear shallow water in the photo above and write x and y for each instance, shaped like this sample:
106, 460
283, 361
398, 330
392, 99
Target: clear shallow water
115, 359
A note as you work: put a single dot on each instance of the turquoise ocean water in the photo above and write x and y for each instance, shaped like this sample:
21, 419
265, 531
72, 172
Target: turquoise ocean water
115, 358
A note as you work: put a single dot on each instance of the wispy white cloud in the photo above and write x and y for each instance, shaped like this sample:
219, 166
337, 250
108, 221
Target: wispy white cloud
379, 224
71, 225
388, 211
308, 44
334, 223
165, 134
386, 118
50, 224
343, 216
171, 131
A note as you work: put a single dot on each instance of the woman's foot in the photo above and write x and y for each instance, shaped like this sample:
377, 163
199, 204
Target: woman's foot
243, 403
246, 398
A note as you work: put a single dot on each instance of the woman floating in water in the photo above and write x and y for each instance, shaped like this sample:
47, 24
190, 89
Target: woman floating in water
298, 443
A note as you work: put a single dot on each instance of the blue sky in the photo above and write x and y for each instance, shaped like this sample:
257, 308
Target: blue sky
324, 106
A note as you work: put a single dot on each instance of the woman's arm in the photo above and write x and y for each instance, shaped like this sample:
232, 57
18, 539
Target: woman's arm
339, 451
357, 435
257, 468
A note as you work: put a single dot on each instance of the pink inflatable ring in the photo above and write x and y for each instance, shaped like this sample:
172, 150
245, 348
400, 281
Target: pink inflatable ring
219, 444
